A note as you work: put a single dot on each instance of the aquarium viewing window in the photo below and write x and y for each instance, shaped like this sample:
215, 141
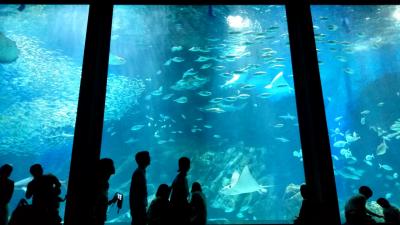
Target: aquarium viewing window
359, 63
219, 91
240, 89
40, 69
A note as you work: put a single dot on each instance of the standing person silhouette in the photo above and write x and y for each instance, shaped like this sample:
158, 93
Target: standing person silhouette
180, 193
6, 191
44, 191
104, 171
138, 190
35, 191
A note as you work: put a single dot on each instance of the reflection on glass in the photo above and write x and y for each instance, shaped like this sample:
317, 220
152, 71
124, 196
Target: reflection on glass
213, 84
359, 63
41, 51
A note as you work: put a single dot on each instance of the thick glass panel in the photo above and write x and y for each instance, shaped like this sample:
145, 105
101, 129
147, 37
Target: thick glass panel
213, 84
359, 64
41, 52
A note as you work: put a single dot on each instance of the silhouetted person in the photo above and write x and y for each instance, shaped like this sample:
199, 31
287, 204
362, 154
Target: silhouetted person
44, 191
52, 190
6, 191
34, 191
307, 211
180, 193
356, 212
138, 191
198, 205
390, 213
105, 169
159, 209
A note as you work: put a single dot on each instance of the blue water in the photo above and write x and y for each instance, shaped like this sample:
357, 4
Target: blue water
151, 105
39, 91
360, 80
248, 49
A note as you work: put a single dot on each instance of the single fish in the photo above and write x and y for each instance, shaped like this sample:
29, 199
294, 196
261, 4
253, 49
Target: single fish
243, 96
260, 73
190, 72
204, 93
230, 98
381, 148
264, 95
232, 80
352, 137
203, 59
206, 66
176, 48
248, 86
178, 59
167, 96
288, 116
137, 127
181, 100
365, 112
131, 140
116, 60
340, 144
214, 110
282, 139
168, 62
385, 167
369, 157
216, 100
157, 92
369, 163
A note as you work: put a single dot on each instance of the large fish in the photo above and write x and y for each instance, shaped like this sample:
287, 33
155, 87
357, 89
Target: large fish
243, 183
8, 50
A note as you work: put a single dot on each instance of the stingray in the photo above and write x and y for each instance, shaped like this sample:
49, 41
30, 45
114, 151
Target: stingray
8, 50
243, 183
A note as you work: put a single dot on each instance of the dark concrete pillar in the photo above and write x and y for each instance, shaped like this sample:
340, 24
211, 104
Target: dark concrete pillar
318, 165
89, 122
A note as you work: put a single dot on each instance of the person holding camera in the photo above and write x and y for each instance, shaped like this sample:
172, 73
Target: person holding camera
138, 191
105, 170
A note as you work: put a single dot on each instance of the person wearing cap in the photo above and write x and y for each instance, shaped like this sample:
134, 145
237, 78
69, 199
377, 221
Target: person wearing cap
180, 193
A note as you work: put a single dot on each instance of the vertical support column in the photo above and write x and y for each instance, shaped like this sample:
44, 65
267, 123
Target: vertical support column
89, 122
318, 165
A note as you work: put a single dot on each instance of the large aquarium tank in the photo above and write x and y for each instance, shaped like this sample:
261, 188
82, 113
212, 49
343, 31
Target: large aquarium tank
358, 53
41, 52
215, 84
